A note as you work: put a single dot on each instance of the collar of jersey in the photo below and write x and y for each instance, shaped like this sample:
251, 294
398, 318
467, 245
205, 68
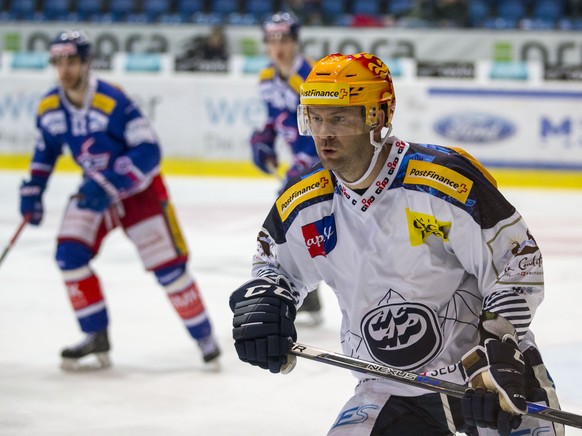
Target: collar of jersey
88, 99
362, 203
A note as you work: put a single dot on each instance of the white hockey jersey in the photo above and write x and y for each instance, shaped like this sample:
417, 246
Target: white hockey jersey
413, 260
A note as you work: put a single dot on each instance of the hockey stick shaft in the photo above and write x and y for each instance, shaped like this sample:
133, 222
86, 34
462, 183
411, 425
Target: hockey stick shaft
274, 171
420, 381
14, 238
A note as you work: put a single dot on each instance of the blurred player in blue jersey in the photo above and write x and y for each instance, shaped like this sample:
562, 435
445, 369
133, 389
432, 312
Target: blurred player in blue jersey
279, 90
121, 186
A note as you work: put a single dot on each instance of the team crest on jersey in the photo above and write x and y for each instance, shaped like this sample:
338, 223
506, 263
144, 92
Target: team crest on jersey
320, 236
92, 161
421, 226
404, 335
441, 178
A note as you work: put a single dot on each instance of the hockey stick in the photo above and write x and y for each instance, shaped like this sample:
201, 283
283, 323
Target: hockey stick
274, 171
14, 237
420, 381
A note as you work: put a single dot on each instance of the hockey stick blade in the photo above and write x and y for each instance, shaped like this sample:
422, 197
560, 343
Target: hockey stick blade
14, 238
420, 381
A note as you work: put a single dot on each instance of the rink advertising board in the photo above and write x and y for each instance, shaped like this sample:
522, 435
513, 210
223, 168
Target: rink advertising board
208, 119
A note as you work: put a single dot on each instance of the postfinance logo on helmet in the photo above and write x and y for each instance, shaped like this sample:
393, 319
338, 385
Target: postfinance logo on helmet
332, 94
363, 76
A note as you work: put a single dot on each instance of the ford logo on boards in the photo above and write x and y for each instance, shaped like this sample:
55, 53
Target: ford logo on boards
474, 127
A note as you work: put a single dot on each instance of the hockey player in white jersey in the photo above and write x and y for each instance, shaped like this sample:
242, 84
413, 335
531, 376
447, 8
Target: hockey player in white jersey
430, 264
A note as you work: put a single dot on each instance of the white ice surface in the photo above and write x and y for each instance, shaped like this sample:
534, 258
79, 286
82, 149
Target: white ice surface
157, 385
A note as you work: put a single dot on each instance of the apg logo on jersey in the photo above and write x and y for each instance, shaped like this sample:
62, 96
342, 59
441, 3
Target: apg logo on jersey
320, 236
404, 335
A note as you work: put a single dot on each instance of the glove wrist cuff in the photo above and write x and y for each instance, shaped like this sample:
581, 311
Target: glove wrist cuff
35, 185
494, 326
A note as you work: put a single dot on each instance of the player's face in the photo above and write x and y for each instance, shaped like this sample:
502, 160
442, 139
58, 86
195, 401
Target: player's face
342, 140
282, 51
72, 72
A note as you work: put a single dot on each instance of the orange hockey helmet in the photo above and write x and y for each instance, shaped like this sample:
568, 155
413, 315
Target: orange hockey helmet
348, 80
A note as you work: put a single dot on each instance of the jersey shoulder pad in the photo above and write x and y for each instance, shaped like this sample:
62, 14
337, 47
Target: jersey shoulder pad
107, 97
267, 73
457, 178
312, 188
477, 164
425, 169
306, 67
295, 82
49, 102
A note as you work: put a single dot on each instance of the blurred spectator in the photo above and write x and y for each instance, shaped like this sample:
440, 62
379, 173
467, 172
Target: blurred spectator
307, 11
451, 13
215, 46
422, 14
365, 20
574, 8
205, 53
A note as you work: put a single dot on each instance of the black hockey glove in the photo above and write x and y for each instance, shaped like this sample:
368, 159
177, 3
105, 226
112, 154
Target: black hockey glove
263, 329
496, 394
31, 199
263, 146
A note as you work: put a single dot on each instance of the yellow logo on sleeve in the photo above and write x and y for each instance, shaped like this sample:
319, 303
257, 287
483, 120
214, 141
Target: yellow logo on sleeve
439, 177
421, 226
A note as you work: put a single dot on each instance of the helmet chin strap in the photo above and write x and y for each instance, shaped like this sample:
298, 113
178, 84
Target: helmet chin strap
377, 148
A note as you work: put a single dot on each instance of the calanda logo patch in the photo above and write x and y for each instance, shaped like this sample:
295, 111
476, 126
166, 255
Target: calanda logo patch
404, 335
421, 226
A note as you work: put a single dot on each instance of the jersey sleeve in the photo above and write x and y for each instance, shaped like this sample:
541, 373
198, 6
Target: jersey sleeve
265, 85
127, 122
493, 242
273, 257
277, 250
50, 122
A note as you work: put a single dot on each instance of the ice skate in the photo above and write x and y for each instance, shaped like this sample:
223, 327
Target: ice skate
309, 314
210, 352
92, 353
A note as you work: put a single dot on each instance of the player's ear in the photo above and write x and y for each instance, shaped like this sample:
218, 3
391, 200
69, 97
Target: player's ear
380, 124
